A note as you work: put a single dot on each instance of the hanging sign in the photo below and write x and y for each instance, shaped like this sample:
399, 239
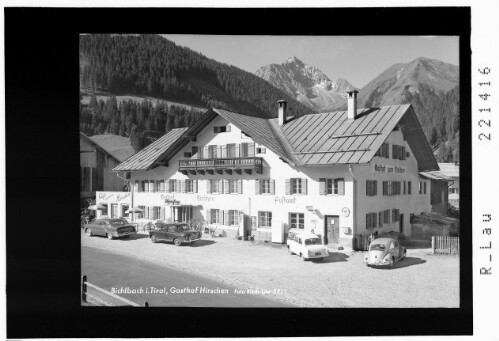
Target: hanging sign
345, 211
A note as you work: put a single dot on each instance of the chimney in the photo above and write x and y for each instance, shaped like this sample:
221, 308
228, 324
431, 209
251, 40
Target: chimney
282, 114
352, 104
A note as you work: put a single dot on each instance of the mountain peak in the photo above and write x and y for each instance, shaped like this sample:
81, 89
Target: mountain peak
308, 84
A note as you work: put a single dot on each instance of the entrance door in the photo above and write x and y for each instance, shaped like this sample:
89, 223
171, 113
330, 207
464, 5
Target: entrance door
401, 223
332, 229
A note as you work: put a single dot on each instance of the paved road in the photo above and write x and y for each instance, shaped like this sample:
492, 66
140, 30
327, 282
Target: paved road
109, 270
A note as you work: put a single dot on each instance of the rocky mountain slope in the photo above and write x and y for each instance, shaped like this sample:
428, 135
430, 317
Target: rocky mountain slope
307, 84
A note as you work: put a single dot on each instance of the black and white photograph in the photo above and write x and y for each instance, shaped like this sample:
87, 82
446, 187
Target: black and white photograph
269, 171
252, 170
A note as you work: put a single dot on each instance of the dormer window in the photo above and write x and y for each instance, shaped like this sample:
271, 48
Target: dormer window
221, 129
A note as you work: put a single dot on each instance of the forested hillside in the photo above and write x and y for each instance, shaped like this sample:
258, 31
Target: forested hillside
151, 65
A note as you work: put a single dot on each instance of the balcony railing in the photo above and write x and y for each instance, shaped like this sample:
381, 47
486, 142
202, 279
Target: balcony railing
228, 165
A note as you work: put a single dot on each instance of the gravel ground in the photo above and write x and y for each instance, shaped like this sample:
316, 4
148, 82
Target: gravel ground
341, 280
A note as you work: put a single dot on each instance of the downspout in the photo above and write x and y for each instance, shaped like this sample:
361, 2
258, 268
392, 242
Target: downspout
354, 208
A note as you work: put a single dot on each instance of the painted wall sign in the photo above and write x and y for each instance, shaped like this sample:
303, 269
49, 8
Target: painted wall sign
345, 211
122, 196
105, 196
385, 169
205, 198
284, 200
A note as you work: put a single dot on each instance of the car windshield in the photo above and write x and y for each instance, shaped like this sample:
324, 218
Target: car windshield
312, 241
378, 247
116, 222
181, 228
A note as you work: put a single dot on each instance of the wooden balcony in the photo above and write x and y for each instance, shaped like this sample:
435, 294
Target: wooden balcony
220, 166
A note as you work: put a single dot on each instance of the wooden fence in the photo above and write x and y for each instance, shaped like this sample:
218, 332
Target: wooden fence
445, 245
95, 295
361, 242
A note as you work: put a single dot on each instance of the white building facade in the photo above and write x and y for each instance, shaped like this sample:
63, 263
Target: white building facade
230, 174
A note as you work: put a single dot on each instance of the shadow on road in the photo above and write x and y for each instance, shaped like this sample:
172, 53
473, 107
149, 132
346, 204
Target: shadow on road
203, 242
408, 261
417, 244
135, 236
333, 258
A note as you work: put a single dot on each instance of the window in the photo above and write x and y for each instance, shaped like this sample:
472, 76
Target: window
124, 208
156, 212
231, 150
231, 217
371, 187
144, 186
233, 186
391, 188
247, 149
380, 219
264, 219
420, 187
395, 215
143, 213
335, 186
212, 152
296, 186
160, 185
264, 186
424, 187
174, 186
216, 216
114, 210
187, 154
191, 186
261, 150
214, 186
221, 129
383, 151
104, 210
194, 152
371, 219
296, 221
398, 152
404, 187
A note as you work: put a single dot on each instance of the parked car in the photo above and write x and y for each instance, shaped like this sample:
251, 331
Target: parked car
178, 233
384, 252
306, 245
110, 228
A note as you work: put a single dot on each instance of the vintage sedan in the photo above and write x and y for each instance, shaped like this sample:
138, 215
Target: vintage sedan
384, 252
110, 228
178, 233
307, 246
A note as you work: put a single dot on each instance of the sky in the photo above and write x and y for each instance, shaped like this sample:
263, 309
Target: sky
357, 59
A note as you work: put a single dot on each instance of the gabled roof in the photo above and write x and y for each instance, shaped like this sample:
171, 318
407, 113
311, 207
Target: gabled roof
147, 157
118, 146
331, 138
435, 175
311, 140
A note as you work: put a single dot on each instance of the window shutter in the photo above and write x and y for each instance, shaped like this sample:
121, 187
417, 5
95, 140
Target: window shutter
257, 186
182, 186
208, 216
136, 186
152, 186
226, 186
224, 152
219, 151
227, 128
385, 187
380, 219
322, 186
341, 186
194, 186
162, 213
304, 186
375, 219
220, 186
251, 149
238, 150
208, 186
240, 186
402, 155
206, 154
288, 187
272, 186
167, 186
368, 220
226, 217
151, 212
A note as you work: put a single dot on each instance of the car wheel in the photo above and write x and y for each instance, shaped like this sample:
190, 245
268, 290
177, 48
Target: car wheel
289, 251
405, 254
88, 232
153, 239
302, 257
177, 242
109, 236
392, 262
